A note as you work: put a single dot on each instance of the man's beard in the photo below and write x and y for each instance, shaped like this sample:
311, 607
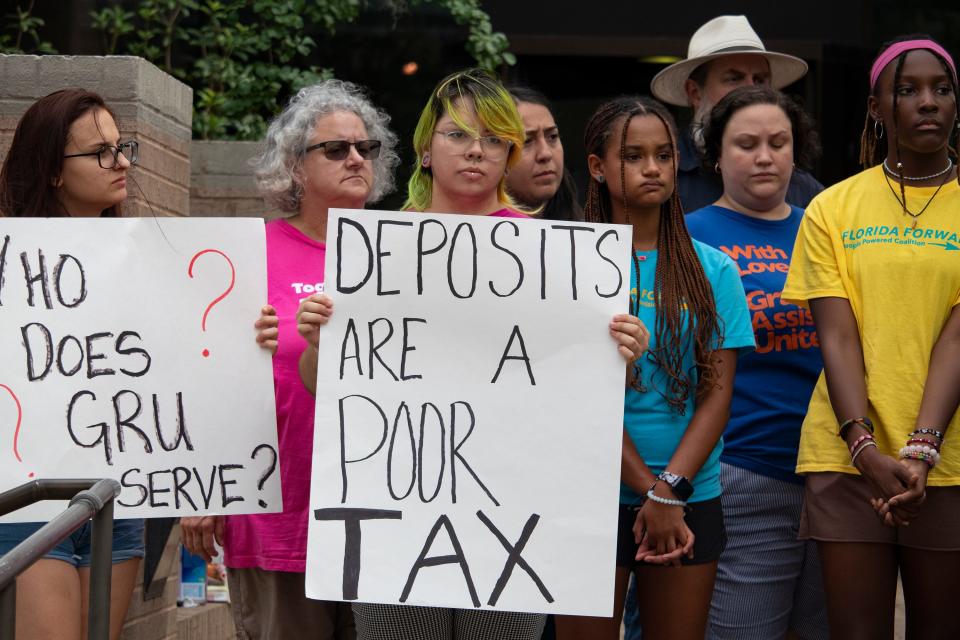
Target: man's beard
700, 117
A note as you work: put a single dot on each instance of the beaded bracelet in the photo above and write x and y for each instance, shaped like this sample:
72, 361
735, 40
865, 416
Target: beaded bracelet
863, 421
929, 431
856, 454
857, 442
667, 501
915, 452
924, 442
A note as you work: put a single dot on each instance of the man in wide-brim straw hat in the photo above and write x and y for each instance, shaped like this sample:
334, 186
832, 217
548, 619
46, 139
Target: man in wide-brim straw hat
725, 53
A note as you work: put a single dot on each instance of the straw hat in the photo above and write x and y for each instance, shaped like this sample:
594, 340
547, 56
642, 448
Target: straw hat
723, 36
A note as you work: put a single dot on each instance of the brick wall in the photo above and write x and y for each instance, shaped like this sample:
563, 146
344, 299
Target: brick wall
156, 619
222, 180
151, 106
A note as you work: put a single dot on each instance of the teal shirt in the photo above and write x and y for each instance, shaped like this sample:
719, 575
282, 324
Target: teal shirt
654, 427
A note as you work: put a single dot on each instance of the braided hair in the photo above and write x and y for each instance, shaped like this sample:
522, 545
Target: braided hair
686, 312
871, 152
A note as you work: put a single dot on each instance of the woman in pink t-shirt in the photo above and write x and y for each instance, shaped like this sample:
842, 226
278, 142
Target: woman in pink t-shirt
329, 148
468, 136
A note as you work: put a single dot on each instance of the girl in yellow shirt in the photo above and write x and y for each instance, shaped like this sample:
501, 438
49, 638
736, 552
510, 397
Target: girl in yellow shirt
876, 261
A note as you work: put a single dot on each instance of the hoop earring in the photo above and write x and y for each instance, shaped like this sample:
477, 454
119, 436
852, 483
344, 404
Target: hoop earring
878, 129
426, 160
716, 167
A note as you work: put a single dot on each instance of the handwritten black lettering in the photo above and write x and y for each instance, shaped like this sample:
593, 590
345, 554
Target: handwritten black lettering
514, 558
3, 265
616, 290
443, 444
350, 331
341, 288
515, 334
516, 258
456, 557
41, 277
92, 355
573, 252
473, 255
407, 348
381, 254
32, 374
421, 252
126, 351
58, 272
344, 461
456, 455
352, 539
405, 410
375, 348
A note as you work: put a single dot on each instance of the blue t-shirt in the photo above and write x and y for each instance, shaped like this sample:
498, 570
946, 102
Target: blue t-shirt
773, 384
654, 427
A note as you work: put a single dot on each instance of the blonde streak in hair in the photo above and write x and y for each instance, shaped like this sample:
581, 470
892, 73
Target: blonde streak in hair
498, 113
420, 184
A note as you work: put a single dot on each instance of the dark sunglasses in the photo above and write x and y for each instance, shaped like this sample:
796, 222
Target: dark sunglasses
338, 149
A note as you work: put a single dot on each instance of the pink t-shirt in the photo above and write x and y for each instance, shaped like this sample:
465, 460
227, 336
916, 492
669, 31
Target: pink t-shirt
278, 541
508, 213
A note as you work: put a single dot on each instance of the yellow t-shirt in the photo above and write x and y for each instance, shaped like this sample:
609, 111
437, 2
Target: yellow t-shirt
856, 243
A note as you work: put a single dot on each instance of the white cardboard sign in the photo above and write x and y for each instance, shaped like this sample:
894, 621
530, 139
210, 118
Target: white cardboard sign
127, 351
469, 413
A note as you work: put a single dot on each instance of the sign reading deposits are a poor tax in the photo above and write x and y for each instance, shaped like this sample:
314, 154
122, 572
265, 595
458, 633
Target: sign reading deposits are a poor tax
469, 413
127, 351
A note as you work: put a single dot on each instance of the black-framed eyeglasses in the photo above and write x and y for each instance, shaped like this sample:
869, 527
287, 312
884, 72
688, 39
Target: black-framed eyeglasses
108, 154
338, 149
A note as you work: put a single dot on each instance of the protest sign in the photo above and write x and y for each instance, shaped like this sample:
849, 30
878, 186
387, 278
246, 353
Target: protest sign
127, 350
469, 413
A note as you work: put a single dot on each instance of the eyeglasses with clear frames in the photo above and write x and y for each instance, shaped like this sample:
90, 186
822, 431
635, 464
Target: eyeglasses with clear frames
108, 154
494, 146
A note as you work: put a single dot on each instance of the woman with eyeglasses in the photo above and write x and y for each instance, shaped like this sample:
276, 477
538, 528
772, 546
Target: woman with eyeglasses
468, 136
67, 160
329, 148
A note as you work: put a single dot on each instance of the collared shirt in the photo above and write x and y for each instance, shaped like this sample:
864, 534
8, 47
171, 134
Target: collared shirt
700, 187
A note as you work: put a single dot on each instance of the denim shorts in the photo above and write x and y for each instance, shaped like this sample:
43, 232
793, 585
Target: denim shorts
77, 547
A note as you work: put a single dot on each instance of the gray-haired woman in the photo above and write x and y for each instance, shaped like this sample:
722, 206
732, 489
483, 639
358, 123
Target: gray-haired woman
329, 148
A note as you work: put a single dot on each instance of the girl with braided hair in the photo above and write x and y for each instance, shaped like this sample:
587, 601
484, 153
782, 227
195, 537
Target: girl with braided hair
671, 524
874, 262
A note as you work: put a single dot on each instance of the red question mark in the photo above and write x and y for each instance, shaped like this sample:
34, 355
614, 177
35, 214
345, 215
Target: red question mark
16, 431
233, 278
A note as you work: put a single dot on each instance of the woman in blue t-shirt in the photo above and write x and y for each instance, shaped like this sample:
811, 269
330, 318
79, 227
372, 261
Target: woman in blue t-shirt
676, 405
768, 582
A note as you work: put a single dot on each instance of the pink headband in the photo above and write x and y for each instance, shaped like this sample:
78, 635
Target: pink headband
896, 49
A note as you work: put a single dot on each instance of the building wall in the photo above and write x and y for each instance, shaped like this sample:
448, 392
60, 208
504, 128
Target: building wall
222, 180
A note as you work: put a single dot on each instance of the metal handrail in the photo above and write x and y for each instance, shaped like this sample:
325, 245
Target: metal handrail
88, 499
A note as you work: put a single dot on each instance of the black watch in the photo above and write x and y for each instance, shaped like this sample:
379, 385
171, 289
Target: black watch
680, 486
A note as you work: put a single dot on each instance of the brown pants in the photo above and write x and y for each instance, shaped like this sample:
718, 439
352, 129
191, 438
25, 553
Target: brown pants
271, 605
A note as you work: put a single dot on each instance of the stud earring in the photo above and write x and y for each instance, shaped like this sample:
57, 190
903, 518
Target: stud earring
600, 178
